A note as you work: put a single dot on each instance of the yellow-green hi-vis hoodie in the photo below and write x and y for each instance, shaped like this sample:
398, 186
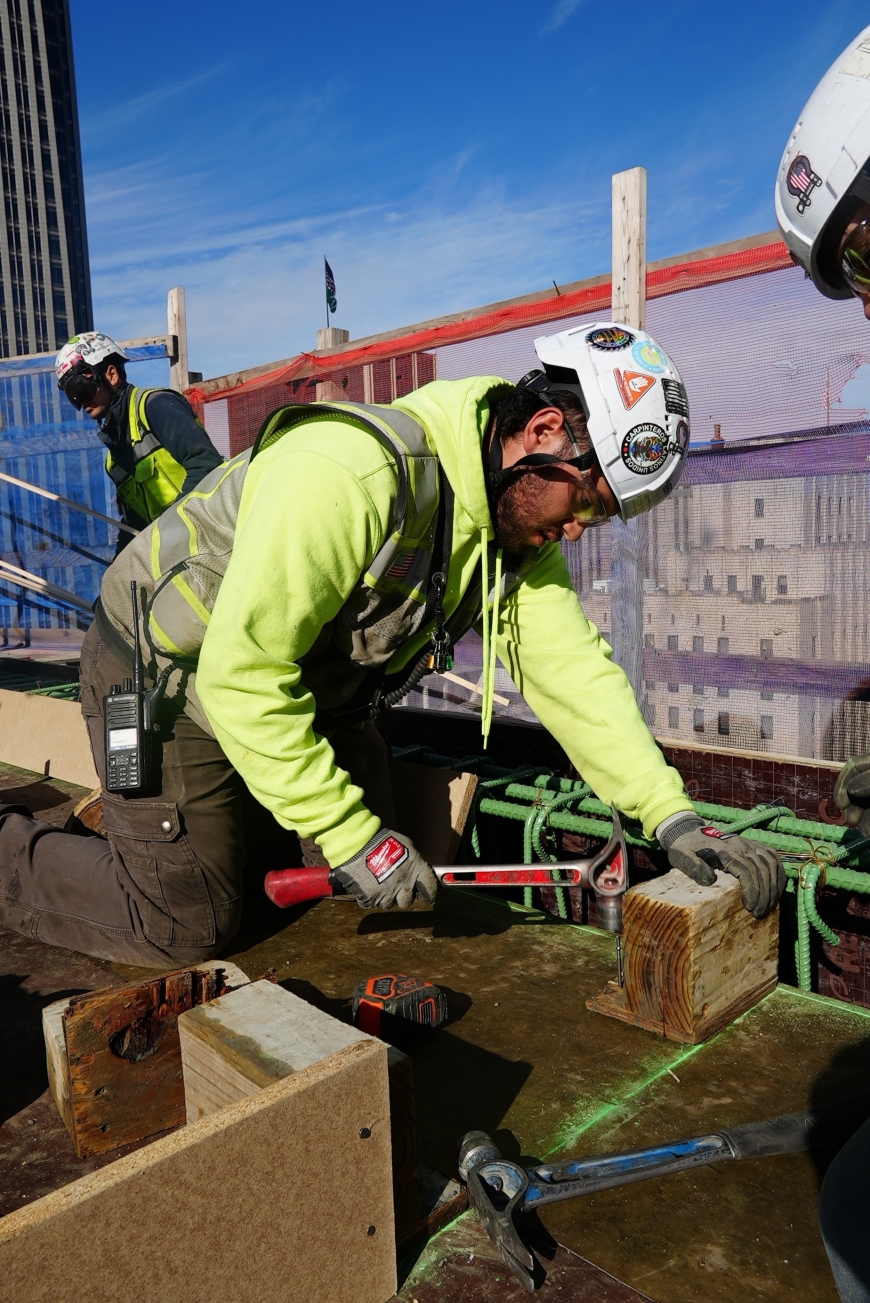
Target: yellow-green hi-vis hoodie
315, 509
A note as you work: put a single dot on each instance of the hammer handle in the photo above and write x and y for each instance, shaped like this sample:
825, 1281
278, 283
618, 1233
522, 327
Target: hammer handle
286, 887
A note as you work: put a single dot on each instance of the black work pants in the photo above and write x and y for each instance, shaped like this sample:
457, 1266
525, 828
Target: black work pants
165, 886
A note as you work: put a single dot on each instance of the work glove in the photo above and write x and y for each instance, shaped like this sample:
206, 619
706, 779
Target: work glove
698, 850
852, 792
389, 870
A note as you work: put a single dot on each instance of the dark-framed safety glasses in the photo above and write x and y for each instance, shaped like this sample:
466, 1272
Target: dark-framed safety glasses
81, 385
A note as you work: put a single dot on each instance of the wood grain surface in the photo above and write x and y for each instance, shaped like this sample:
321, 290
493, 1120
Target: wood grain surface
694, 958
123, 1078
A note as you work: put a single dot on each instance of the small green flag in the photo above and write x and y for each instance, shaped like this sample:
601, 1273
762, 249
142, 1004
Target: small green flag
331, 300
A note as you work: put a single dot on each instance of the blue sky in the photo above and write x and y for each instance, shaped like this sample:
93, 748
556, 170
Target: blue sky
441, 156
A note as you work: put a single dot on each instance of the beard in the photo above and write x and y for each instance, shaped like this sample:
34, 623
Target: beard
518, 511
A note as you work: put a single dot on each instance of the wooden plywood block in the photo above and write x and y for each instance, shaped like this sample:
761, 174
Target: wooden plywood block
114, 1058
245, 1041
432, 806
278, 1196
403, 1136
694, 958
56, 1060
47, 736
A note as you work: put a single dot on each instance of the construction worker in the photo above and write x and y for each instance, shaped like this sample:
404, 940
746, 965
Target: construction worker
156, 448
823, 209
311, 582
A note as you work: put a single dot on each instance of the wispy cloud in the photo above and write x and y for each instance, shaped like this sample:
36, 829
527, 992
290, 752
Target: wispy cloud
254, 280
560, 15
128, 111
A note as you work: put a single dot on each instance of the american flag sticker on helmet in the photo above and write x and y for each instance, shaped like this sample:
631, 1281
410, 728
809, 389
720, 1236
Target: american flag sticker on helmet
801, 181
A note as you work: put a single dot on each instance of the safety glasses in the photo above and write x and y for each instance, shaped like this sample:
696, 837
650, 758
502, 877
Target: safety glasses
855, 259
81, 387
589, 509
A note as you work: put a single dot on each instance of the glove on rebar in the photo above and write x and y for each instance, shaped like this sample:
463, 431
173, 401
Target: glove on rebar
698, 850
389, 870
852, 792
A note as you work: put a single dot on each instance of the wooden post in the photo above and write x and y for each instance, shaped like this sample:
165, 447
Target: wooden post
629, 247
628, 541
330, 390
332, 337
694, 958
176, 325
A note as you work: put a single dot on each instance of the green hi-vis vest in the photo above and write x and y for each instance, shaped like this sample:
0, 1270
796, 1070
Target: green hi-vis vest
181, 561
157, 477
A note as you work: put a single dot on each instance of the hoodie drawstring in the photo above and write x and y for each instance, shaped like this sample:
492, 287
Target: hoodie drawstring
490, 633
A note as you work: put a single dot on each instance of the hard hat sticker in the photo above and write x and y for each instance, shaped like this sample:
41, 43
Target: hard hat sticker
645, 448
647, 355
801, 181
609, 338
632, 386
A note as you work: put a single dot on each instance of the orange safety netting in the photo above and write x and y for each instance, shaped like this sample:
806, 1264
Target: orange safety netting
592, 298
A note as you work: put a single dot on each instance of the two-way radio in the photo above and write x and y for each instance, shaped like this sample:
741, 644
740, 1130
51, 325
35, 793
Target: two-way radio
130, 714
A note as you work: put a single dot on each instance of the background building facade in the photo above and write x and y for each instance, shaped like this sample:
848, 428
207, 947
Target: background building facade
45, 291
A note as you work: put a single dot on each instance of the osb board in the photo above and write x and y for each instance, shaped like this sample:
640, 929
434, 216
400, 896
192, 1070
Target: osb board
47, 736
274, 1197
432, 806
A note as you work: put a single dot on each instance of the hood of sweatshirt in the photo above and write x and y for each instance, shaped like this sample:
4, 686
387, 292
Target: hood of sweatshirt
455, 415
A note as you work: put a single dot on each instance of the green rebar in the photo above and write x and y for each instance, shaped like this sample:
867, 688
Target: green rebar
488, 784
542, 818
811, 844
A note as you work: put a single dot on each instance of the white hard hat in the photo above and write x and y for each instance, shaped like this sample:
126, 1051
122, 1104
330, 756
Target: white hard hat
637, 409
88, 349
822, 169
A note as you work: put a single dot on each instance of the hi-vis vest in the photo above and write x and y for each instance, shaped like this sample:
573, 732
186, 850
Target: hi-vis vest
157, 477
180, 562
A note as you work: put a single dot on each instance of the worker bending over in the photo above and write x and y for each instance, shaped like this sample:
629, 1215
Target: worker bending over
156, 448
823, 209
309, 583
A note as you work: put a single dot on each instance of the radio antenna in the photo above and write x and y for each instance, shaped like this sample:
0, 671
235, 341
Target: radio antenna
137, 650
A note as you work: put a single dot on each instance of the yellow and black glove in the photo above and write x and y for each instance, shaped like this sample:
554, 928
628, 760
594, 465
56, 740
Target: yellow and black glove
852, 792
698, 850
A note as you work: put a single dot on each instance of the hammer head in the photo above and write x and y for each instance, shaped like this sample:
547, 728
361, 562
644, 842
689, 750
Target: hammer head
497, 1191
608, 877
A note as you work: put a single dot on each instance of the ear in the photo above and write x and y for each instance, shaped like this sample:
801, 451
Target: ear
544, 432
112, 374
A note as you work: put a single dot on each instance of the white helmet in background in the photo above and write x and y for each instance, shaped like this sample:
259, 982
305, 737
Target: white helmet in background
86, 350
822, 174
637, 409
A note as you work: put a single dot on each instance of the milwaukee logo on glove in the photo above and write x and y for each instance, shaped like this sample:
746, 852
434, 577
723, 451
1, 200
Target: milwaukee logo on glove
713, 832
386, 857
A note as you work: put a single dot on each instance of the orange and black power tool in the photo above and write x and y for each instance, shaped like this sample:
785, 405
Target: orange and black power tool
394, 1003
